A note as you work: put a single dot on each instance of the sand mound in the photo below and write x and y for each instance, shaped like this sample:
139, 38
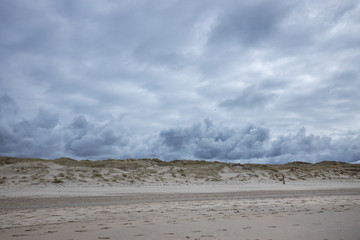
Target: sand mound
64, 171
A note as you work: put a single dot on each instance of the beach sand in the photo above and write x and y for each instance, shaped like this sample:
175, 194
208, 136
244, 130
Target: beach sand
326, 210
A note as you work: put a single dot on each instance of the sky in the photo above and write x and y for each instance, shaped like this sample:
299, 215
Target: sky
239, 81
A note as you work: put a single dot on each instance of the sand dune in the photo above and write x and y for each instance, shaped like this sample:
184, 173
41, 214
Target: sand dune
17, 172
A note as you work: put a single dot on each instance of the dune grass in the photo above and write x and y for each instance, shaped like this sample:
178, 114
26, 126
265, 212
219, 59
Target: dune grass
131, 171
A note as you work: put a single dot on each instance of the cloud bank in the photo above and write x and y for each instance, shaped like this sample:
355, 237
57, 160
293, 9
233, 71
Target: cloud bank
48, 136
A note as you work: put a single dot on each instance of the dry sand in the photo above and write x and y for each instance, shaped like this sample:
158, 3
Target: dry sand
325, 210
66, 199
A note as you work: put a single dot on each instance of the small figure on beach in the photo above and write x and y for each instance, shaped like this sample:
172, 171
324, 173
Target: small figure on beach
283, 178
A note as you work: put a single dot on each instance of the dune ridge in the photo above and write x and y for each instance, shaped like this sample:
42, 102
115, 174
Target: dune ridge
112, 172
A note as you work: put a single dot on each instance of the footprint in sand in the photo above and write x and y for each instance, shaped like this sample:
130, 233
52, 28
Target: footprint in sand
30, 230
51, 231
246, 227
105, 227
139, 235
103, 238
223, 230
20, 235
80, 231
172, 221
272, 226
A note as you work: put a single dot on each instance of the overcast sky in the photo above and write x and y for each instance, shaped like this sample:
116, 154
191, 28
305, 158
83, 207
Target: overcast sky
242, 81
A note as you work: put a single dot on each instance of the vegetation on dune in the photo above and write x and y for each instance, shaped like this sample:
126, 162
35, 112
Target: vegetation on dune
12, 160
130, 171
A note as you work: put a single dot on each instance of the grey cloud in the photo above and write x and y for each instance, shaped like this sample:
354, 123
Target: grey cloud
254, 144
81, 138
25, 139
207, 141
8, 107
79, 122
244, 144
315, 104
70, 9
7, 139
312, 148
299, 143
79, 127
249, 24
94, 145
93, 140
21, 34
248, 98
46, 119
44, 136
347, 149
177, 139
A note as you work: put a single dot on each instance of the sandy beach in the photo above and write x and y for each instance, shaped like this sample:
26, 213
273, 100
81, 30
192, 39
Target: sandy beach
249, 211
64, 199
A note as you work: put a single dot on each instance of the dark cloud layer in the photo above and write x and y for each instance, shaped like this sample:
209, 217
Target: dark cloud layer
248, 98
80, 138
98, 79
253, 144
250, 23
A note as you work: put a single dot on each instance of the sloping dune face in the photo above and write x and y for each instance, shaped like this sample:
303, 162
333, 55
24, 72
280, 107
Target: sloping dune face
65, 171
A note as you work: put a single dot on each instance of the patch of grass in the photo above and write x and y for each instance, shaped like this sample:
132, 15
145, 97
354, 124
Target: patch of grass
68, 162
11, 160
35, 177
214, 179
151, 171
115, 178
97, 175
82, 175
181, 172
2, 180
